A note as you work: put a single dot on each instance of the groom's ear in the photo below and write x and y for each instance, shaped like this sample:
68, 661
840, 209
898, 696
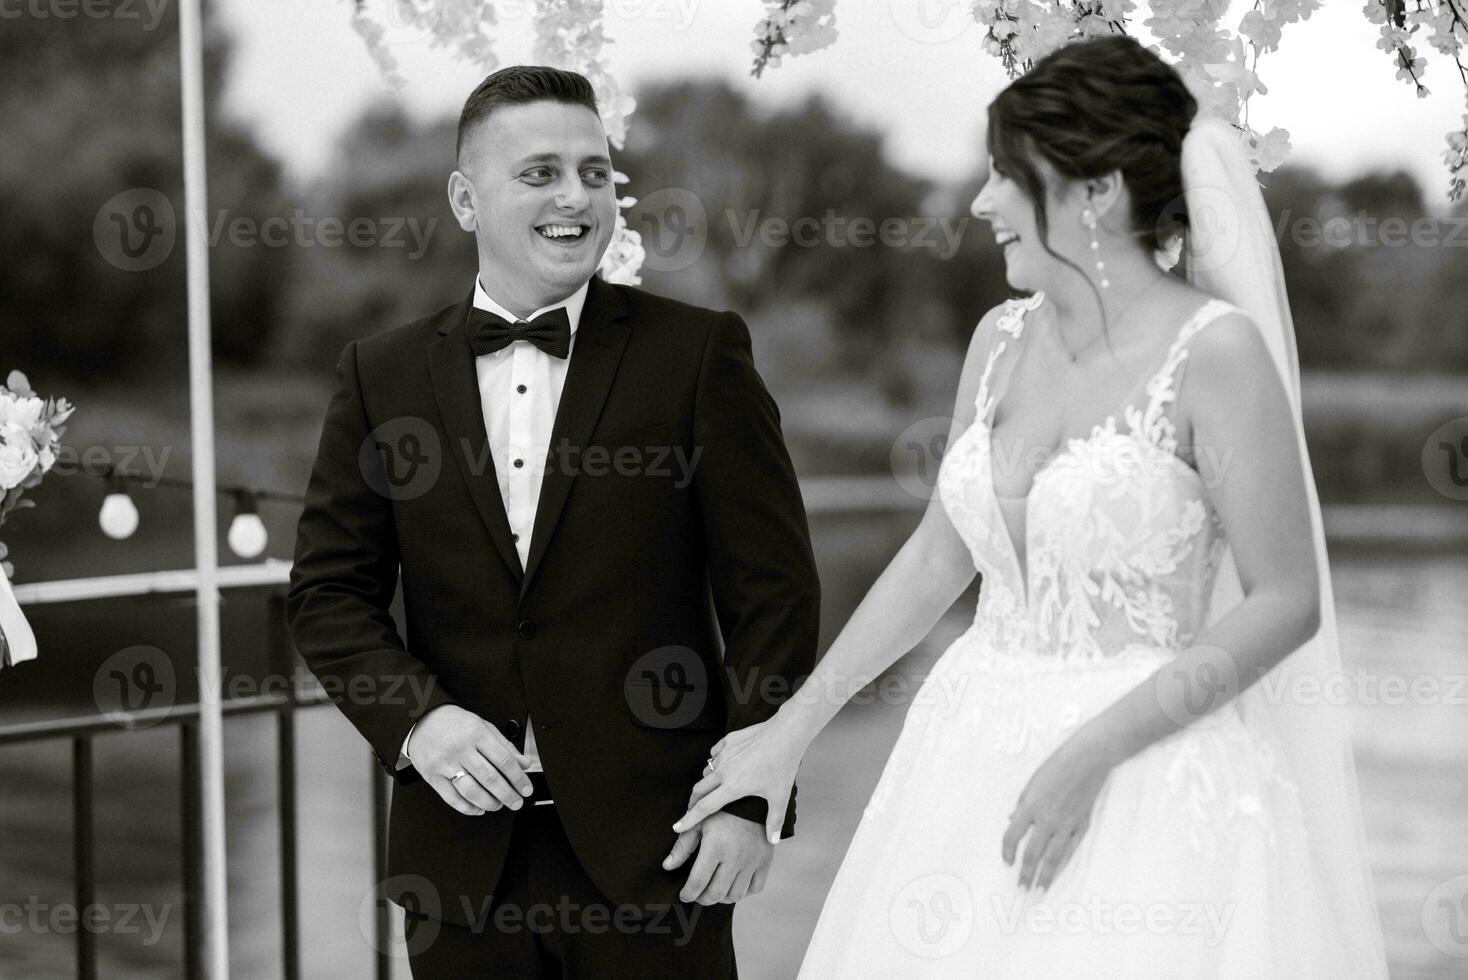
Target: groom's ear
462, 202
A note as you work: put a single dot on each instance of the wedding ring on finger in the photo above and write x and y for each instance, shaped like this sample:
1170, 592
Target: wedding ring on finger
458, 776
709, 767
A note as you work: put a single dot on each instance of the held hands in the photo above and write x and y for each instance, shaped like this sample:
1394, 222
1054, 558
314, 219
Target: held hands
733, 860
1055, 807
760, 760
449, 740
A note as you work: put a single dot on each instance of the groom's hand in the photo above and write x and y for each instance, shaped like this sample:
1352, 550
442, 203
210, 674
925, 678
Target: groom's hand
733, 859
449, 739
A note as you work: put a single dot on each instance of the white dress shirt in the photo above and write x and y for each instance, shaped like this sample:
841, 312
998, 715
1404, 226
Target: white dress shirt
519, 393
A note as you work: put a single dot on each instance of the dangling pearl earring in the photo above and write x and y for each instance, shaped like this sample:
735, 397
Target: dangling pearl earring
1088, 217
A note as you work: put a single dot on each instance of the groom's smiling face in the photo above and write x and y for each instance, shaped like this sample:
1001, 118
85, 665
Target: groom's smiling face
534, 184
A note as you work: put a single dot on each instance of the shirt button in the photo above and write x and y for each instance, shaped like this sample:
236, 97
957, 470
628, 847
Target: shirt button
515, 537
519, 463
520, 389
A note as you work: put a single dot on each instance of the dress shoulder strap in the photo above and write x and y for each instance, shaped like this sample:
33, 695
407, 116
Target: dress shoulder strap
1162, 387
1011, 323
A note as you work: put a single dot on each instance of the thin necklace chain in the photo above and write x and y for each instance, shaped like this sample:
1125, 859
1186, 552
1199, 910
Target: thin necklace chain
1120, 313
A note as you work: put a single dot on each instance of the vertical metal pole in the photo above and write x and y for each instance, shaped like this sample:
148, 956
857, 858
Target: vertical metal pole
193, 848
379, 871
290, 923
214, 958
83, 835
285, 740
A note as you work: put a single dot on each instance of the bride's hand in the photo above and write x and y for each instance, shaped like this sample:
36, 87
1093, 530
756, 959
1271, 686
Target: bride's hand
1055, 807
760, 760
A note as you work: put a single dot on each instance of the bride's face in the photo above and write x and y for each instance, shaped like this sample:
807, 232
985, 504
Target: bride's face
1004, 203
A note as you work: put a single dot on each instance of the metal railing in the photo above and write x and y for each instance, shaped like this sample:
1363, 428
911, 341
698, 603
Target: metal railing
82, 730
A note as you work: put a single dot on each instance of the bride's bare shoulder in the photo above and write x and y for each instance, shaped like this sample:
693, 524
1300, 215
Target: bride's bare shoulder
1229, 363
1231, 348
1224, 336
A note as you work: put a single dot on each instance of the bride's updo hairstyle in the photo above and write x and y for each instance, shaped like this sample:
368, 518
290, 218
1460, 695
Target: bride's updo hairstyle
1091, 107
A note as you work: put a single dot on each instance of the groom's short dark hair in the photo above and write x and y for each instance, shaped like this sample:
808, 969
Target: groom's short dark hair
518, 85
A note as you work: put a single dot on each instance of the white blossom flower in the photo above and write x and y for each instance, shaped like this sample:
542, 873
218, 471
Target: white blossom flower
1170, 253
1272, 150
1262, 31
18, 456
24, 411
790, 28
1438, 24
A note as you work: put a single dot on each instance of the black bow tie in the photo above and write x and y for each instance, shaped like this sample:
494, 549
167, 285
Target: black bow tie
551, 332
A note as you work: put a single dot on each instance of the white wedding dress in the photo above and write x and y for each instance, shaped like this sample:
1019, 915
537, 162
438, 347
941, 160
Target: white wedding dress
1196, 863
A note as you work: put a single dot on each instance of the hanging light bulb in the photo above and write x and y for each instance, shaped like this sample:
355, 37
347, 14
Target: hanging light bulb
247, 535
118, 517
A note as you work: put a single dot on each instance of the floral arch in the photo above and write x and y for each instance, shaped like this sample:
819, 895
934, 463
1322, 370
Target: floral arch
1219, 63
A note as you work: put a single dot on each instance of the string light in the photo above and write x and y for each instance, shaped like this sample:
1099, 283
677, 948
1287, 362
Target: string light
247, 535
119, 516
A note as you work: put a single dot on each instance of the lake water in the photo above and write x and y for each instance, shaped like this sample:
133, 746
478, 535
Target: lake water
1401, 616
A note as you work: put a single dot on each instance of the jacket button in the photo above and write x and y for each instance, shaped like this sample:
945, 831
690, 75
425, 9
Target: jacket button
527, 628
512, 728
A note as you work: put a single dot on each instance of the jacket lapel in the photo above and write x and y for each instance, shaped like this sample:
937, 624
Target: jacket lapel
600, 339
456, 389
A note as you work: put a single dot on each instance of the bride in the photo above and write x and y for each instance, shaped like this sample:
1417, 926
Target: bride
1115, 772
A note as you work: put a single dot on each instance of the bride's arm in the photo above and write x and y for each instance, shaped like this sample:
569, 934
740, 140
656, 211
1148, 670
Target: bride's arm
919, 584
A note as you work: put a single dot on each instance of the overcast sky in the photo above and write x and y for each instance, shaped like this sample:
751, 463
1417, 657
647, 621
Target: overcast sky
301, 74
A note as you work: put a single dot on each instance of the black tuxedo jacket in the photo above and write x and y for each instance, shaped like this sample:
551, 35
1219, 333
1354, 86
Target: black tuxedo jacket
670, 594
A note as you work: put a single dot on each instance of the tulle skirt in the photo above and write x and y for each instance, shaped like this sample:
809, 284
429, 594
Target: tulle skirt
1195, 864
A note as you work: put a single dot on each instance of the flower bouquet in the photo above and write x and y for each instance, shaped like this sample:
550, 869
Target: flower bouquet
30, 435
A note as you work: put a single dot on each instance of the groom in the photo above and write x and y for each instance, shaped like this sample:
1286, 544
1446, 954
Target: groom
605, 566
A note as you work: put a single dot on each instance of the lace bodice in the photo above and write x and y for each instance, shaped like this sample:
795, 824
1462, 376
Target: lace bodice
1121, 541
